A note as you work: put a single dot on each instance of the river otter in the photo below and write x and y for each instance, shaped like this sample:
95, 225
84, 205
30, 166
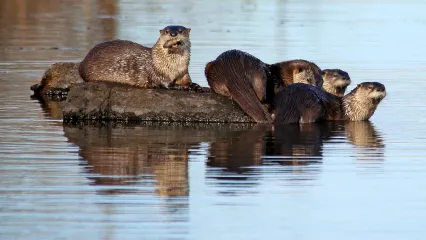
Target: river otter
297, 71
243, 77
335, 81
305, 103
253, 83
165, 65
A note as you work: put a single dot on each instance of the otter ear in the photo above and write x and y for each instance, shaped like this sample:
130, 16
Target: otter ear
323, 72
161, 31
188, 30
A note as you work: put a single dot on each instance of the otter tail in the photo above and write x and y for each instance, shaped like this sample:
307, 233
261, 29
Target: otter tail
247, 99
236, 75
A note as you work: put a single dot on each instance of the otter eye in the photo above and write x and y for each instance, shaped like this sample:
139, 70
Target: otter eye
180, 30
299, 70
370, 87
167, 31
334, 75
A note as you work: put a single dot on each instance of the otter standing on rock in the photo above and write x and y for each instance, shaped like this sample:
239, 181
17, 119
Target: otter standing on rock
253, 83
305, 103
162, 66
335, 81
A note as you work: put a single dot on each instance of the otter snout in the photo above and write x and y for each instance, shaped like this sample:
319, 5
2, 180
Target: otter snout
381, 92
381, 89
378, 90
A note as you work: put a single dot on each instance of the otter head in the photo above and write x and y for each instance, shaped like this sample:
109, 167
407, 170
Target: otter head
175, 37
363, 100
372, 90
306, 72
335, 81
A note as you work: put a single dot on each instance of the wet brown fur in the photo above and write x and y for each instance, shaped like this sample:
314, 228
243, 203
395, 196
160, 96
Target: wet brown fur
305, 103
287, 70
242, 77
253, 83
335, 81
126, 62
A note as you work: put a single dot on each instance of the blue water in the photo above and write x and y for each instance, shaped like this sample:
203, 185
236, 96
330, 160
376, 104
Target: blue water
339, 180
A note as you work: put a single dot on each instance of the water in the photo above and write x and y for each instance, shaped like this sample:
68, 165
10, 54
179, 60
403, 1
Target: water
170, 181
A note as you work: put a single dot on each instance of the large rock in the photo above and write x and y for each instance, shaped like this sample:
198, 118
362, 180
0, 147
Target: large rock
58, 79
112, 102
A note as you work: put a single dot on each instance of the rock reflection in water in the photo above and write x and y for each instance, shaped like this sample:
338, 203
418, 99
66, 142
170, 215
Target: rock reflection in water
130, 155
144, 153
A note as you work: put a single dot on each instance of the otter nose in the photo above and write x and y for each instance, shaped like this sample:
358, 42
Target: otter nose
173, 34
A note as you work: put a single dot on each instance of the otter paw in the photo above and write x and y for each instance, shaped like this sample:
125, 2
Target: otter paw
193, 87
174, 86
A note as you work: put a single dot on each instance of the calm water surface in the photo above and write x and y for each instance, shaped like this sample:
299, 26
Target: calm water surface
338, 180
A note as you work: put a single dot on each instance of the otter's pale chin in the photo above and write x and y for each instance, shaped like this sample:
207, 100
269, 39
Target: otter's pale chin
342, 83
378, 95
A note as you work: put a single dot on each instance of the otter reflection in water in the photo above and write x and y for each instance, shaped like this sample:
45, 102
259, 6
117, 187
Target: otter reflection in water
153, 157
51, 105
297, 147
231, 155
232, 161
368, 143
120, 156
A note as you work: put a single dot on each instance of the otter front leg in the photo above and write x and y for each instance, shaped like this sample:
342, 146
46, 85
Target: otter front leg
185, 83
181, 83
185, 80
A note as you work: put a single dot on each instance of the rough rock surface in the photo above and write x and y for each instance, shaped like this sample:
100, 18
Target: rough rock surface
112, 102
58, 79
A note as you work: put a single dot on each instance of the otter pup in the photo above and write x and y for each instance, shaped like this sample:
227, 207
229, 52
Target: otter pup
253, 83
165, 65
305, 103
335, 81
